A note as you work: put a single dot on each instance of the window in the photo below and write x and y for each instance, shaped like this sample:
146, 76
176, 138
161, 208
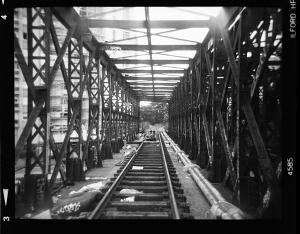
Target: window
25, 36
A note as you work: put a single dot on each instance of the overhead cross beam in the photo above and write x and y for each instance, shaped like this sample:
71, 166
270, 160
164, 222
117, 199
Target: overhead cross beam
129, 24
149, 83
147, 87
157, 92
154, 71
160, 97
147, 90
145, 47
145, 34
149, 62
134, 78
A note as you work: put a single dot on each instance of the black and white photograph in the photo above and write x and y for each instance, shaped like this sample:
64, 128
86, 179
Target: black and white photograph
149, 112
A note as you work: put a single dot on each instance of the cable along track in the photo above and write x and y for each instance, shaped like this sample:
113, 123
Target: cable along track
149, 171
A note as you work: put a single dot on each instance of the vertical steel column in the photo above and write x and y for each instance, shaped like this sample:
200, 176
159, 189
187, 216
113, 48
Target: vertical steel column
198, 69
123, 129
236, 187
215, 161
109, 137
193, 125
101, 113
98, 123
185, 112
117, 116
107, 112
38, 28
113, 112
92, 151
190, 113
74, 167
127, 115
138, 116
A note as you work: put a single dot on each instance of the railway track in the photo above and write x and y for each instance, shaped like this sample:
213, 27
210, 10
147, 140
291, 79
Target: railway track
149, 173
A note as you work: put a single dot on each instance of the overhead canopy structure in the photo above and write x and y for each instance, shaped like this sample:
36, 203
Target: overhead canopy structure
151, 46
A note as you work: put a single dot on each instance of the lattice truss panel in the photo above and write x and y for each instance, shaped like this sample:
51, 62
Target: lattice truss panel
107, 105
39, 74
92, 144
56, 42
39, 65
114, 112
225, 112
75, 76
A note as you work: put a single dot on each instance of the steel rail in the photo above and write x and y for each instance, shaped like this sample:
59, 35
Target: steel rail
106, 198
173, 203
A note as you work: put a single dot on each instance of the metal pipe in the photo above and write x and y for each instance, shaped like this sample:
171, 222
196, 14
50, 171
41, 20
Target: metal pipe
206, 186
211, 194
203, 187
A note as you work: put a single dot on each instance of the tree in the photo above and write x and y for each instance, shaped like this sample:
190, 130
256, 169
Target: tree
157, 112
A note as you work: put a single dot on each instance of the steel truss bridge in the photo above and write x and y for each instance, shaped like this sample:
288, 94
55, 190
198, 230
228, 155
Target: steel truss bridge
224, 108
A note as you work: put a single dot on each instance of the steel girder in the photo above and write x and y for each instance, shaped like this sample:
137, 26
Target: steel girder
92, 150
39, 70
145, 47
129, 24
106, 76
228, 106
77, 74
39, 77
149, 62
120, 110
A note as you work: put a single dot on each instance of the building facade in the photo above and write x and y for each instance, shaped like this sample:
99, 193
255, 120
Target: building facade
58, 93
